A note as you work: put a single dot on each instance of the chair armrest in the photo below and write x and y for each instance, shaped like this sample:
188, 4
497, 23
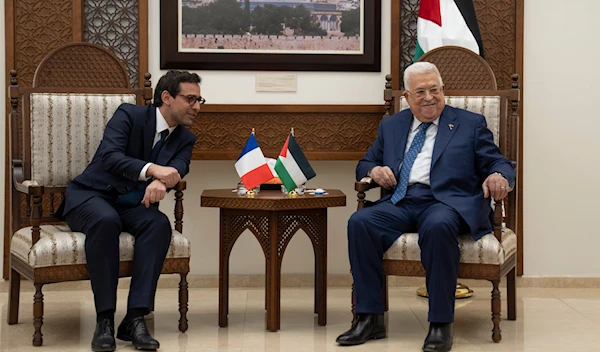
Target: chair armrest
365, 184
180, 186
498, 219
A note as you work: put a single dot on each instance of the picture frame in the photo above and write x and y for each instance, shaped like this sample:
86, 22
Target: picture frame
245, 51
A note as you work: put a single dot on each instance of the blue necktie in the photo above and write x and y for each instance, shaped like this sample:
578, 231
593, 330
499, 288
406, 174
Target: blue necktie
409, 160
158, 145
135, 196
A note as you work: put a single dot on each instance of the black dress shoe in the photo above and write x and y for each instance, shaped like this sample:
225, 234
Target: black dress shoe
136, 331
439, 338
366, 327
104, 336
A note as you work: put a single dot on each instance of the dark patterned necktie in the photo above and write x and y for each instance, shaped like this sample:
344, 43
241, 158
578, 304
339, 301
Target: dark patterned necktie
409, 160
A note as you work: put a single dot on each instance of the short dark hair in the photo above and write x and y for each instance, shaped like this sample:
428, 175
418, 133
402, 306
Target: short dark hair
170, 82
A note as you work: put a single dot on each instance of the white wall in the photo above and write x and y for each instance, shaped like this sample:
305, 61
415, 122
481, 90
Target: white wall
562, 53
561, 165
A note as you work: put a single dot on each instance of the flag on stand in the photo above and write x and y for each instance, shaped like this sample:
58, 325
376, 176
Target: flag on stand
292, 167
251, 166
447, 22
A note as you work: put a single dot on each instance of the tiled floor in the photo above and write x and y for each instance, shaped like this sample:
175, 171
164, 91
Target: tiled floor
548, 320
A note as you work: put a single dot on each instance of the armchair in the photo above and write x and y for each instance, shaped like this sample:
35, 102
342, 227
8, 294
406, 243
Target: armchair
471, 85
54, 135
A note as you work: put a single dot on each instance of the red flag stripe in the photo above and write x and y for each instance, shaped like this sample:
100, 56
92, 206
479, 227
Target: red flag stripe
257, 176
430, 10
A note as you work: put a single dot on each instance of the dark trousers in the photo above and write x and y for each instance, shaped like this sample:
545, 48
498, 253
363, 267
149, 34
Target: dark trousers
101, 220
371, 231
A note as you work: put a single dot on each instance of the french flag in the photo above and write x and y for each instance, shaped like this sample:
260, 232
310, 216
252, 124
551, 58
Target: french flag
251, 166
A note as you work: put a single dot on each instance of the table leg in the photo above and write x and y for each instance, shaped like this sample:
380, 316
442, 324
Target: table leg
321, 273
317, 303
273, 277
223, 276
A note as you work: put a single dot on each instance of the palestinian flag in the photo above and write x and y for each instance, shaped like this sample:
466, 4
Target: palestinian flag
292, 167
447, 22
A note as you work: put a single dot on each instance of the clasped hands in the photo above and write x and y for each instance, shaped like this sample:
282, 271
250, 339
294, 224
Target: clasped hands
494, 186
165, 177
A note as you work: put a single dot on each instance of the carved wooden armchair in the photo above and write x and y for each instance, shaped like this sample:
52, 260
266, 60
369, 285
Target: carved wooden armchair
470, 84
54, 136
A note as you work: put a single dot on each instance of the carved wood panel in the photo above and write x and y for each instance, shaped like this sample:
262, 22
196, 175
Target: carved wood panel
343, 132
40, 27
114, 24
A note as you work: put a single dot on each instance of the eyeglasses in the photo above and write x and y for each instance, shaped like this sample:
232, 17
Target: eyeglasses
422, 93
192, 99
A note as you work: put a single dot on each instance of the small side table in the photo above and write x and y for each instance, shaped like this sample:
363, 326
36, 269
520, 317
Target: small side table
273, 218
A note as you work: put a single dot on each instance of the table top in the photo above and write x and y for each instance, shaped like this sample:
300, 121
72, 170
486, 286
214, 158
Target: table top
271, 200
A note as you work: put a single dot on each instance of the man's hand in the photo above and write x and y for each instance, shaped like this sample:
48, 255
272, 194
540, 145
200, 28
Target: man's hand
155, 192
496, 186
169, 175
383, 176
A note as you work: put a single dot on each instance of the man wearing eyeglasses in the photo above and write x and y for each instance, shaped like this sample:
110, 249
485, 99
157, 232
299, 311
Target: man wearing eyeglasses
145, 151
441, 166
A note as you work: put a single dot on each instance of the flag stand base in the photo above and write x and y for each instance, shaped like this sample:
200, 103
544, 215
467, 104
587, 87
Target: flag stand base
462, 291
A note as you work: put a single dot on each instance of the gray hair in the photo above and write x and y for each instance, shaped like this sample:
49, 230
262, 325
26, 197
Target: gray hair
420, 68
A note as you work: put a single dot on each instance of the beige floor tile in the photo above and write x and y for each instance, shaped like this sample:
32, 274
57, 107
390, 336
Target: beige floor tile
548, 320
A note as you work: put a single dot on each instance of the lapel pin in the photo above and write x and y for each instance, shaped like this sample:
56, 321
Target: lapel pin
451, 126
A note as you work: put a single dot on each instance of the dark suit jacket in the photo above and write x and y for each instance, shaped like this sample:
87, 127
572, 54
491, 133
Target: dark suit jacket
125, 149
462, 158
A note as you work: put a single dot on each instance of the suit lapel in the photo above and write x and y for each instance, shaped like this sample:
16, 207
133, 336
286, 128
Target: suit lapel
149, 132
446, 130
169, 148
400, 148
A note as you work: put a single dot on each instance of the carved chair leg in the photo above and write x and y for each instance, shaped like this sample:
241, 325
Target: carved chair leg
13, 297
511, 293
38, 314
496, 309
183, 302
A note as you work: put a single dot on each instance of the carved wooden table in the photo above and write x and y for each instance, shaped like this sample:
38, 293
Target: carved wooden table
273, 218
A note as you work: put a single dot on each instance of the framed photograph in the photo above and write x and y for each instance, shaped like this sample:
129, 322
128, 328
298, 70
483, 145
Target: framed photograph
271, 35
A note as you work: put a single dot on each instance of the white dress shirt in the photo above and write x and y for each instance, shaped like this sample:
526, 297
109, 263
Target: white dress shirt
419, 173
161, 125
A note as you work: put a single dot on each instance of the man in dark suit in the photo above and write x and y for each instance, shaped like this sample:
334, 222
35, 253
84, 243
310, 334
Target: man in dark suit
145, 150
441, 166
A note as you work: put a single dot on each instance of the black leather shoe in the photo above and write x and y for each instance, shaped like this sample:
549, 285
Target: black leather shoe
104, 336
366, 327
439, 338
136, 331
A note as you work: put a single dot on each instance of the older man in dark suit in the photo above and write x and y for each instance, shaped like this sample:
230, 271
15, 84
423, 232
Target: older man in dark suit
441, 166
145, 150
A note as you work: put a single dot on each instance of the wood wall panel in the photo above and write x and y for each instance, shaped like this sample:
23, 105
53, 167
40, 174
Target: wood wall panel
324, 132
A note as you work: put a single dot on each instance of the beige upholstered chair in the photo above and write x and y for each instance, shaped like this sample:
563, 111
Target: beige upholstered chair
494, 255
76, 90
